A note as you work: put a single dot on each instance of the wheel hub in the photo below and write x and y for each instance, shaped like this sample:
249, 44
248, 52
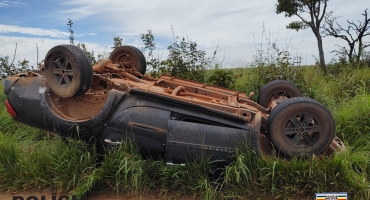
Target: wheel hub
62, 71
126, 60
301, 131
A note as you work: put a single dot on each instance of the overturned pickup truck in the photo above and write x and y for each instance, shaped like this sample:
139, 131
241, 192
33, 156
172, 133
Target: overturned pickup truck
169, 118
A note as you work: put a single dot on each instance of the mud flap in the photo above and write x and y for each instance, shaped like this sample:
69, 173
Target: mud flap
187, 141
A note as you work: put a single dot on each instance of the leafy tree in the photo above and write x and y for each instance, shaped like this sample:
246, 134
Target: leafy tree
354, 33
89, 54
153, 62
117, 42
316, 10
82, 46
71, 39
7, 69
186, 61
148, 40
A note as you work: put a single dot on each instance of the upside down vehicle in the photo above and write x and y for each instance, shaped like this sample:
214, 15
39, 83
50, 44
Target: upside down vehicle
168, 118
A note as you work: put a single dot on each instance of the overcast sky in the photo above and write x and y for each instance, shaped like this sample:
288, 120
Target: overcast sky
236, 26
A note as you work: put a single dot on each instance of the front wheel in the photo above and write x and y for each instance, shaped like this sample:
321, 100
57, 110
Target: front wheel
301, 126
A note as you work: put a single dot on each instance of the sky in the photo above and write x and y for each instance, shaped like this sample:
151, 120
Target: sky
237, 29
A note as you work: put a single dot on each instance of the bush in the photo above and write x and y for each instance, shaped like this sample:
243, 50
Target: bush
280, 69
184, 60
7, 69
222, 78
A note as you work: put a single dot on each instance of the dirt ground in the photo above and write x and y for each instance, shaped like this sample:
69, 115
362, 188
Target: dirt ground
110, 196
26, 195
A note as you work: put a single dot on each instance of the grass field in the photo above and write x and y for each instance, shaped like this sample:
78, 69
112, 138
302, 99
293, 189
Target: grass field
36, 160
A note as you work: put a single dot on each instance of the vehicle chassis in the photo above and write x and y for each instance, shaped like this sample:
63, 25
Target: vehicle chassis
168, 117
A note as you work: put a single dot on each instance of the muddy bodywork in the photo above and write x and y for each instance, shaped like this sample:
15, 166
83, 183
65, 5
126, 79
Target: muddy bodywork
168, 117
164, 123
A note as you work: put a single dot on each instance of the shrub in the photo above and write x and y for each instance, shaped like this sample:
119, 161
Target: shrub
280, 69
222, 78
184, 60
7, 68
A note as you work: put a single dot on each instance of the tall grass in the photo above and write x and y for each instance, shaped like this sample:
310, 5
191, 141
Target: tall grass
30, 158
27, 161
34, 159
353, 122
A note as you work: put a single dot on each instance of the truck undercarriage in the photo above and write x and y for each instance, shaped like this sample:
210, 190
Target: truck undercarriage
168, 117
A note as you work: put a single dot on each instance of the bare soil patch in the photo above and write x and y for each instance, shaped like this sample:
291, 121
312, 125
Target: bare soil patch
47, 195
95, 196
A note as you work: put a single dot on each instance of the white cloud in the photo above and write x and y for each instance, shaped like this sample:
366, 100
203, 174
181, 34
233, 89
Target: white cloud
33, 31
26, 47
235, 26
229, 24
6, 3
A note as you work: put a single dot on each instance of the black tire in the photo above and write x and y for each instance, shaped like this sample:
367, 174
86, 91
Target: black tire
68, 71
301, 126
274, 89
131, 54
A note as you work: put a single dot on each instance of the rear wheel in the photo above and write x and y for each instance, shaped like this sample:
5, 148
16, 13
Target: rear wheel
68, 71
277, 89
301, 126
129, 55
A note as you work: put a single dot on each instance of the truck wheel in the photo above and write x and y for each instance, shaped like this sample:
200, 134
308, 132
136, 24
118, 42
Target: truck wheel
300, 126
275, 89
129, 55
68, 71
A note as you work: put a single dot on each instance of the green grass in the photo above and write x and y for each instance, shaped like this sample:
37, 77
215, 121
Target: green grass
34, 159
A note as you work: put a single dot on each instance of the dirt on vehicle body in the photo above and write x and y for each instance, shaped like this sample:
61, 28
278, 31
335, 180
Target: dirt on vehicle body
168, 117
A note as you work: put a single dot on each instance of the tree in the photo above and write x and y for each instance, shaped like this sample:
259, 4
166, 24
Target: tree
117, 42
148, 40
71, 39
154, 63
90, 54
186, 61
316, 10
7, 69
82, 46
352, 34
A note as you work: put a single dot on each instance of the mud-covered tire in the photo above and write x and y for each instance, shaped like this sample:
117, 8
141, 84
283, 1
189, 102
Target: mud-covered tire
131, 54
277, 88
68, 71
301, 126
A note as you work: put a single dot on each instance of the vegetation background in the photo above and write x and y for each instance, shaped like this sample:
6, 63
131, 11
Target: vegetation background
35, 159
